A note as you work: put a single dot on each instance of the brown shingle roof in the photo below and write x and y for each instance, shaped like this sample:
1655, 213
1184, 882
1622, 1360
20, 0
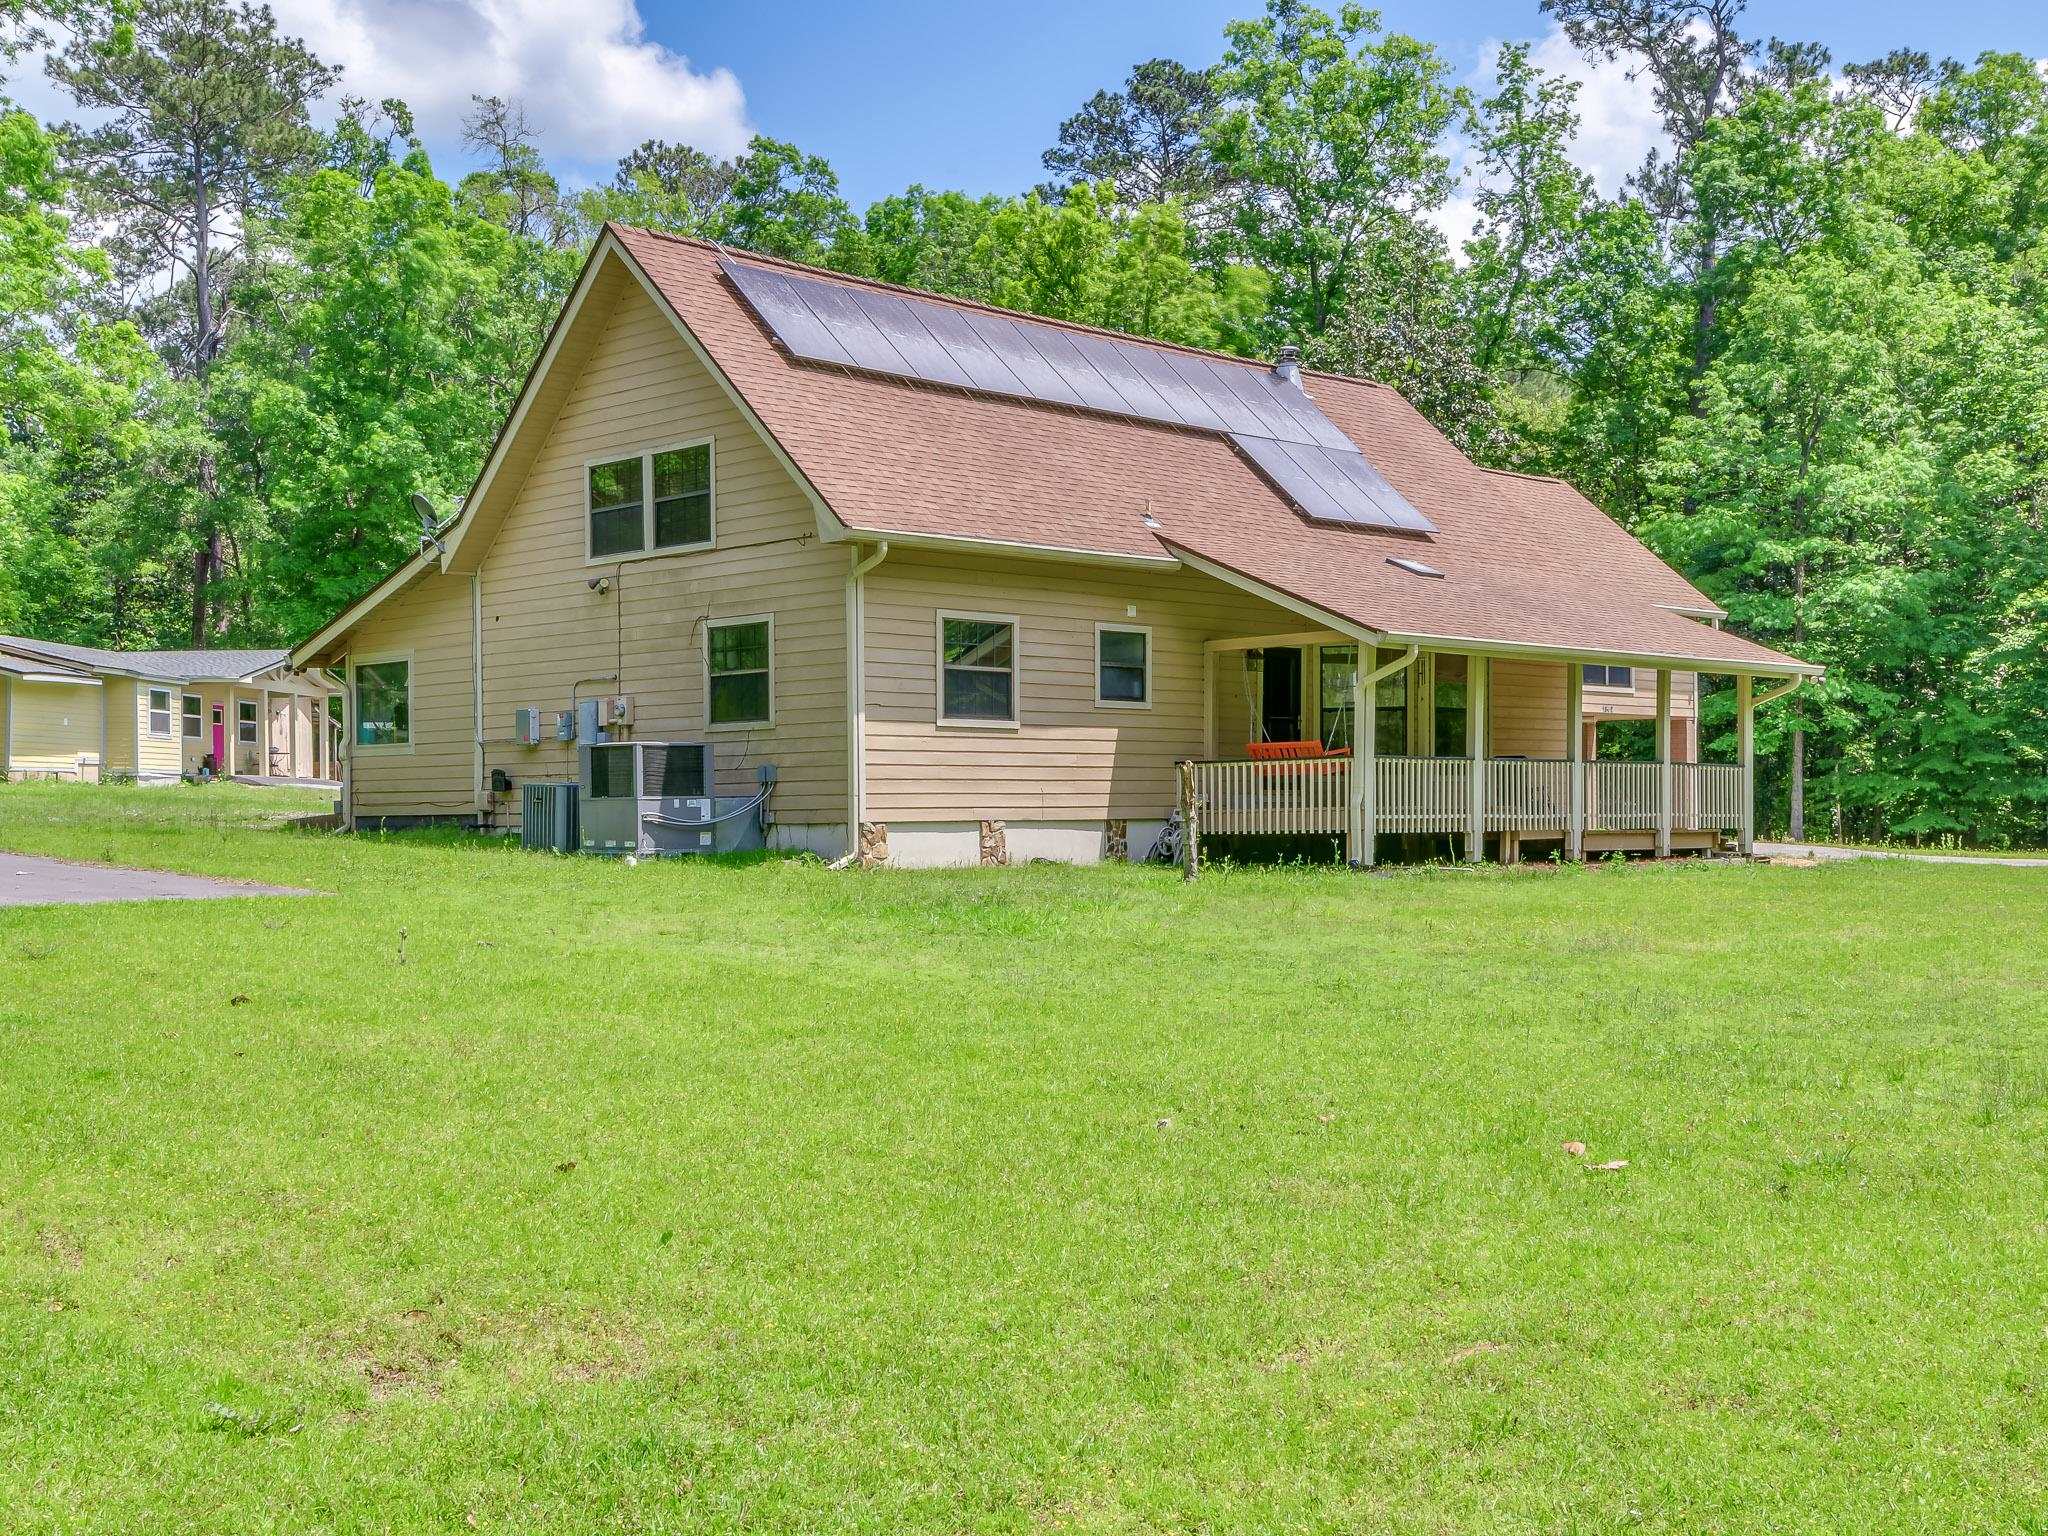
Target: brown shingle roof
1527, 561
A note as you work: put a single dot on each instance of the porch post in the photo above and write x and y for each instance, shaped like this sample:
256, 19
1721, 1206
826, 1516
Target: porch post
1209, 701
1664, 775
1364, 763
1745, 754
1478, 684
1575, 755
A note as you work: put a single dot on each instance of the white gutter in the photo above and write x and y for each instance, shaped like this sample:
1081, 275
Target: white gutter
856, 693
1777, 693
476, 678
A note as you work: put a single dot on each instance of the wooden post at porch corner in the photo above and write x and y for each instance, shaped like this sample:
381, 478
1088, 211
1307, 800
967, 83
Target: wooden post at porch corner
1365, 765
1745, 753
1478, 684
1664, 769
1190, 829
1575, 755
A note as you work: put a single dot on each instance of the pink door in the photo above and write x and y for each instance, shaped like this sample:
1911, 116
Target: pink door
220, 742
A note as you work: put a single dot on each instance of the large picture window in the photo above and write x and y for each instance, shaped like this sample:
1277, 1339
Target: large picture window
159, 711
1123, 666
740, 657
977, 669
646, 502
383, 703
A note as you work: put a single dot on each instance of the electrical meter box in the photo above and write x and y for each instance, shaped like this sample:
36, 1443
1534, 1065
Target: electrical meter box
526, 727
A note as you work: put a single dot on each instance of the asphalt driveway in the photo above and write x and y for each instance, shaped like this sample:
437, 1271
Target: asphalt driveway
26, 881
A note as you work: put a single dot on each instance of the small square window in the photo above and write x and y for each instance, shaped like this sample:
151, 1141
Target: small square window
739, 657
159, 711
1123, 666
383, 704
977, 670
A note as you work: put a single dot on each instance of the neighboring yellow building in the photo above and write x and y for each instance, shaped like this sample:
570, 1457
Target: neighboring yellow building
81, 712
961, 585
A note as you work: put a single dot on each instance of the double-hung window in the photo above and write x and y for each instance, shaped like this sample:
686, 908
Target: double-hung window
977, 669
1598, 676
159, 711
1123, 666
739, 659
647, 502
195, 720
383, 703
245, 722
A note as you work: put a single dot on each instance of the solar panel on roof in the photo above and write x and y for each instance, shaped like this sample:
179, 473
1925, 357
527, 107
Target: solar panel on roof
1271, 419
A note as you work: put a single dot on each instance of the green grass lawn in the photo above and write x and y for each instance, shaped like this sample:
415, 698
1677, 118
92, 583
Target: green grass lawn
513, 1193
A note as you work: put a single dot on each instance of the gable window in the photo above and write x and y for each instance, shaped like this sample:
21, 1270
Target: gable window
977, 669
650, 501
1610, 677
159, 711
245, 722
384, 703
1123, 667
739, 658
195, 721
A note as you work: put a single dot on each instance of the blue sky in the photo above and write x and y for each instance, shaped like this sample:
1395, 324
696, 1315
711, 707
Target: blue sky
951, 93
969, 95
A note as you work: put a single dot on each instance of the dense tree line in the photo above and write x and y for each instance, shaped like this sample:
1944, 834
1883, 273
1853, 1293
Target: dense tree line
1804, 352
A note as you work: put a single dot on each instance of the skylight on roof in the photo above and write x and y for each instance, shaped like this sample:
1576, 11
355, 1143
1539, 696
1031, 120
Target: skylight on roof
1415, 567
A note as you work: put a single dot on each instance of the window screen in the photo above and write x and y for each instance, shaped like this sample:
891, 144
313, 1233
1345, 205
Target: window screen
739, 661
979, 662
159, 711
682, 496
617, 519
1120, 670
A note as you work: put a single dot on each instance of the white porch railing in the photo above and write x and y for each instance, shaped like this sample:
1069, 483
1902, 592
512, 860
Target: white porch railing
1424, 794
1434, 794
1527, 794
1621, 797
1706, 796
1274, 799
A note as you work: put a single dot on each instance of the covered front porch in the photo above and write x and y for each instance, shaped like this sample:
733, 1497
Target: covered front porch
1513, 753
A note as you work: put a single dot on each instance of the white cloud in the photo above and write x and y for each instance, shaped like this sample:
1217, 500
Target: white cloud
592, 82
1618, 120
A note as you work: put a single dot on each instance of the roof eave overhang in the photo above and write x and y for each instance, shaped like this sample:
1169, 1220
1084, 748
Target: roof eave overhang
1067, 554
1279, 597
1474, 645
302, 654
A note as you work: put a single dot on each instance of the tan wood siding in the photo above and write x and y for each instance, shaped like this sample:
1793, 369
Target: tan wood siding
53, 724
548, 636
430, 622
1068, 759
546, 632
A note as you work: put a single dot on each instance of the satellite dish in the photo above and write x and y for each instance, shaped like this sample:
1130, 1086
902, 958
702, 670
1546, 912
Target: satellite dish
424, 505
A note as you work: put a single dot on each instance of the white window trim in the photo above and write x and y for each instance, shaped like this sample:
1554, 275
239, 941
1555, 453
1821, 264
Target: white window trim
1123, 629
1016, 671
412, 725
1626, 690
740, 725
171, 726
199, 719
255, 722
647, 549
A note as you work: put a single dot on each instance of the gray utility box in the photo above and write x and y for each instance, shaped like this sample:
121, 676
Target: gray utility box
547, 816
647, 798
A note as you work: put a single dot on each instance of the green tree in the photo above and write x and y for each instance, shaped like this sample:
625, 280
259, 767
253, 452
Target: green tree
1335, 131
1148, 140
203, 114
783, 202
383, 350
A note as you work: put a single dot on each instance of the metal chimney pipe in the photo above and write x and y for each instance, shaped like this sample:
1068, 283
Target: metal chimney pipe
1288, 366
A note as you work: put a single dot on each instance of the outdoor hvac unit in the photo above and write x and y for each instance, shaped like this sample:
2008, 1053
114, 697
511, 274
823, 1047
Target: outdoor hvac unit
647, 797
547, 817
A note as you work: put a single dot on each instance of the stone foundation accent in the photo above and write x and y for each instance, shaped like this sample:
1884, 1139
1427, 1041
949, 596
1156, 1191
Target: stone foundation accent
874, 844
995, 848
1116, 846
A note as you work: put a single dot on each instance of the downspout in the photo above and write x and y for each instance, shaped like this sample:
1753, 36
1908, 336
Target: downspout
1364, 851
476, 683
1778, 693
856, 694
